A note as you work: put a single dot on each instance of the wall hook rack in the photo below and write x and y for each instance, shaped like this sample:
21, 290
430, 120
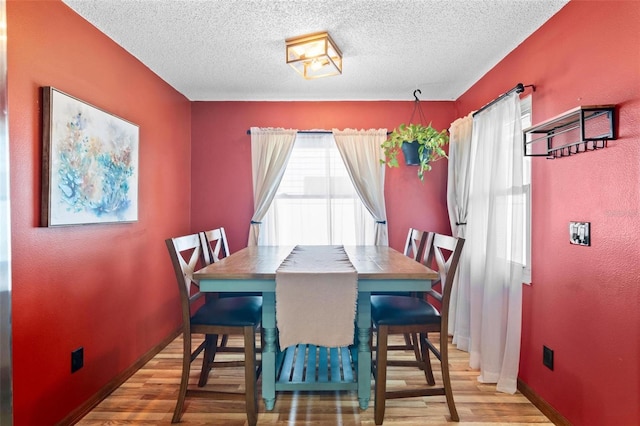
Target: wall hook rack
582, 129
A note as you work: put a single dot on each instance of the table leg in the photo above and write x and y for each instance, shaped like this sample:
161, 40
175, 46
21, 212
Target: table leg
269, 350
364, 349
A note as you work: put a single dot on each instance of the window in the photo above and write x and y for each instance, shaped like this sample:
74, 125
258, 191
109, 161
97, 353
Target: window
516, 205
316, 202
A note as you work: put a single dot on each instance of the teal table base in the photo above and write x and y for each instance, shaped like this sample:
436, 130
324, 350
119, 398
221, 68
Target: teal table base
357, 358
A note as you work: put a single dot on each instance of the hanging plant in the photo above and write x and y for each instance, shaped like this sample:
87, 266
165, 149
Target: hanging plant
427, 141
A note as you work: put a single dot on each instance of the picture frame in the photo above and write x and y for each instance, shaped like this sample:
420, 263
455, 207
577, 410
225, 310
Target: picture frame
89, 163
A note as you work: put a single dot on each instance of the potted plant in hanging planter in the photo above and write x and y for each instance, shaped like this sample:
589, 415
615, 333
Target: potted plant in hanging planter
421, 145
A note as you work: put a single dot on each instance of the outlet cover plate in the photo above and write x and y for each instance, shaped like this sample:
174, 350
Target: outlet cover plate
580, 233
547, 357
77, 359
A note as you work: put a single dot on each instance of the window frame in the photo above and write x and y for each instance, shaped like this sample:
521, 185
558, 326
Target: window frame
526, 119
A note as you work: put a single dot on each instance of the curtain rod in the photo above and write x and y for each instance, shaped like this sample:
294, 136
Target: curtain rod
518, 89
312, 132
317, 132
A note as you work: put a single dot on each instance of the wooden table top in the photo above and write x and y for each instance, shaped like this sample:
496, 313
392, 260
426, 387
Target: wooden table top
371, 262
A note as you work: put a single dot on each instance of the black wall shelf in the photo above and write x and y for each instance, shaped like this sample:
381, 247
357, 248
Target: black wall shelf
582, 129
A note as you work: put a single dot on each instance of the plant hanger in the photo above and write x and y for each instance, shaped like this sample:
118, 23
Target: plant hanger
417, 106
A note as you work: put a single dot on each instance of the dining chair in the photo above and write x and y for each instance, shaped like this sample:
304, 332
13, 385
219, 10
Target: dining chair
212, 317
417, 242
407, 314
214, 248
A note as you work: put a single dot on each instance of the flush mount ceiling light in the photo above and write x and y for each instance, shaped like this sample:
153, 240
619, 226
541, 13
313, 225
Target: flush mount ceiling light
314, 55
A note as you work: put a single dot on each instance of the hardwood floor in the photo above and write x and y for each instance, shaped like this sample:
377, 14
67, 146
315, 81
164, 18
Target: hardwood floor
149, 397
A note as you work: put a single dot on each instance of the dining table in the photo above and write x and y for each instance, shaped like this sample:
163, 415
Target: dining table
253, 270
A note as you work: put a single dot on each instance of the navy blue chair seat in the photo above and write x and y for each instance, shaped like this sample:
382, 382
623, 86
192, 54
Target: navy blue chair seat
401, 310
230, 311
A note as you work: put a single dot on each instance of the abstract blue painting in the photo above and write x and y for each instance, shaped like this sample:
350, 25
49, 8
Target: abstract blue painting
90, 163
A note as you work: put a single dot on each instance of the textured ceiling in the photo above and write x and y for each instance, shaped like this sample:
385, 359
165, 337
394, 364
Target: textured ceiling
235, 49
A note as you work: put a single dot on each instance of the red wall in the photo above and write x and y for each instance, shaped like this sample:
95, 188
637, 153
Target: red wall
222, 193
108, 288
584, 302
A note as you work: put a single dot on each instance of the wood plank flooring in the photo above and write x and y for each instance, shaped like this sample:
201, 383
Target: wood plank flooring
149, 396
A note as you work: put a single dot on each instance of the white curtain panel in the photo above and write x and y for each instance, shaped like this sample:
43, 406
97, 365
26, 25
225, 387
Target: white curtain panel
361, 152
495, 243
270, 151
458, 184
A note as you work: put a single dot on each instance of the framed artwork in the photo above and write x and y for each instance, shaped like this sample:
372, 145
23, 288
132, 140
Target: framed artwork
90, 163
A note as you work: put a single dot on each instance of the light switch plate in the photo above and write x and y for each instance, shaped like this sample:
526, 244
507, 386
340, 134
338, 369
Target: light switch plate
580, 233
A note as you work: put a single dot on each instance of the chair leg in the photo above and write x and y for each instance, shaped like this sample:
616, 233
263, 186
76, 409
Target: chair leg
210, 349
223, 342
251, 399
416, 348
426, 360
184, 380
444, 363
381, 373
407, 340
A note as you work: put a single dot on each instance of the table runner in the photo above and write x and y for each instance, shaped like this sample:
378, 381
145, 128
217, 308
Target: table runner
316, 296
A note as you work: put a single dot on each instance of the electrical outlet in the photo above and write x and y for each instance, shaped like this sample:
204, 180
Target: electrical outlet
580, 233
547, 357
77, 359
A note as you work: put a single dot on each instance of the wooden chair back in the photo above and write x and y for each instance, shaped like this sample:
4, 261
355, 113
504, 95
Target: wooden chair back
416, 243
445, 251
186, 253
215, 246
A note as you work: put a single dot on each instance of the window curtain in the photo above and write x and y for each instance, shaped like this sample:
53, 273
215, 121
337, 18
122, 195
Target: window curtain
495, 243
270, 151
361, 152
458, 184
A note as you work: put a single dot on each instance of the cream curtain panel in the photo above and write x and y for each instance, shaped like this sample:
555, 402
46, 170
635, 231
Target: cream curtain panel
494, 243
270, 151
361, 152
458, 184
